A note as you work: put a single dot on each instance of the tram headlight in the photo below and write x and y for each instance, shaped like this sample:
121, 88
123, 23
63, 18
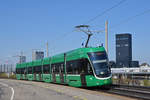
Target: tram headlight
101, 72
91, 78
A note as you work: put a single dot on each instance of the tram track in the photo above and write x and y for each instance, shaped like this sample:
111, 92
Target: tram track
139, 92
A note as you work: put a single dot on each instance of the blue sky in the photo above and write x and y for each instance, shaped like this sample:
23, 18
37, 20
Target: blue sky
29, 24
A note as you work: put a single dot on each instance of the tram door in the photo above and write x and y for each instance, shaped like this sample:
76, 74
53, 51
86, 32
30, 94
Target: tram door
34, 73
21, 73
53, 73
25, 73
61, 73
83, 79
34, 76
83, 72
40, 75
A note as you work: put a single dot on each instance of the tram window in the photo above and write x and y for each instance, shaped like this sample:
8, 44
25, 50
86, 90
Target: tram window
79, 66
37, 69
53, 68
18, 71
25, 70
82, 66
86, 66
89, 68
62, 68
30, 70
46, 68
57, 68
73, 67
22, 70
69, 67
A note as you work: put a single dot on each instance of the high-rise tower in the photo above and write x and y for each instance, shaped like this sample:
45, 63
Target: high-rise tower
123, 50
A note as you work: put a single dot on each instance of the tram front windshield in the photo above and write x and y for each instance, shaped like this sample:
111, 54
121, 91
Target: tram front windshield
100, 64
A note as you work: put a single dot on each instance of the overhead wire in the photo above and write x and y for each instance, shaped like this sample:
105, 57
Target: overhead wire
92, 19
114, 6
105, 11
58, 38
130, 18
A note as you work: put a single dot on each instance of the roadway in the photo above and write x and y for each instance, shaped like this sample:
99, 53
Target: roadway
27, 90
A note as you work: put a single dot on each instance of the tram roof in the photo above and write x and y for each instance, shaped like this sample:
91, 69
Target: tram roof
70, 55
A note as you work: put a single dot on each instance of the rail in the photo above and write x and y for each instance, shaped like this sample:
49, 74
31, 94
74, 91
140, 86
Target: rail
140, 92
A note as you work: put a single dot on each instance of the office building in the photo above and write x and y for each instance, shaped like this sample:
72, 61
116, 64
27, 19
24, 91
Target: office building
112, 64
123, 50
22, 59
36, 55
135, 63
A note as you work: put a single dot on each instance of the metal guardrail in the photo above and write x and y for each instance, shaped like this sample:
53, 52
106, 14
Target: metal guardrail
131, 70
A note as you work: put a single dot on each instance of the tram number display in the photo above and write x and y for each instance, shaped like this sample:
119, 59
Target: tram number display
99, 53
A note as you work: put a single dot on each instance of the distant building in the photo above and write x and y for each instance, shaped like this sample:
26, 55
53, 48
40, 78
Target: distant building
37, 55
22, 59
112, 64
123, 50
144, 65
135, 63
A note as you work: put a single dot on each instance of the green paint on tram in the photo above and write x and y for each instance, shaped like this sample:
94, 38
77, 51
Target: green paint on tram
83, 67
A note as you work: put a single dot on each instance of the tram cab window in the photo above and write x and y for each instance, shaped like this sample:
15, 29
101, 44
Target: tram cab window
100, 65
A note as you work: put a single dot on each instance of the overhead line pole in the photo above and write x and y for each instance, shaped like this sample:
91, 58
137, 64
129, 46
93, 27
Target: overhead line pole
106, 36
47, 49
33, 55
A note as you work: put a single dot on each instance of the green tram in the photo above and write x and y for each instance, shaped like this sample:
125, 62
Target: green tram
83, 67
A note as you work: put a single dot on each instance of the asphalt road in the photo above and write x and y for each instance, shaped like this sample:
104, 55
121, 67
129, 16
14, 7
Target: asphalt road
28, 90
5, 92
